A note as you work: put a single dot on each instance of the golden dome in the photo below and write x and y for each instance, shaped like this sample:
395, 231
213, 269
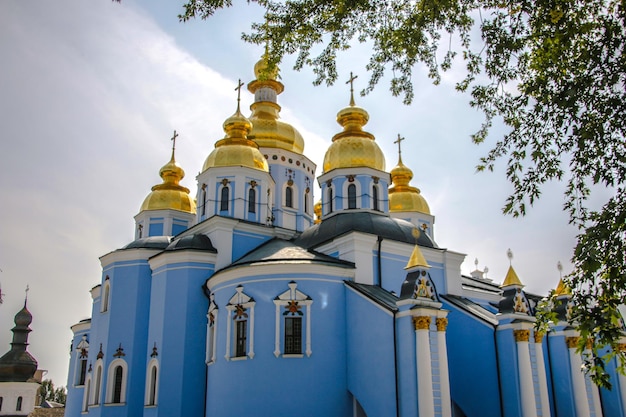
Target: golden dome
402, 196
267, 130
170, 195
236, 149
317, 209
353, 147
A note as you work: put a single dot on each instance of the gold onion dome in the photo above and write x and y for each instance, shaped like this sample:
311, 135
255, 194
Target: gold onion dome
353, 147
402, 196
170, 194
236, 149
267, 130
317, 209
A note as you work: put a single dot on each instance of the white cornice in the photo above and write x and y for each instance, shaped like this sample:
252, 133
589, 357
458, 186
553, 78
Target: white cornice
81, 326
123, 255
182, 256
295, 270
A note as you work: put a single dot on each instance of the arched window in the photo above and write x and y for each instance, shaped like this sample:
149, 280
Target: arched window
18, 406
96, 393
152, 383
116, 382
330, 200
375, 197
306, 202
251, 200
289, 196
86, 395
224, 199
203, 199
118, 374
351, 196
106, 295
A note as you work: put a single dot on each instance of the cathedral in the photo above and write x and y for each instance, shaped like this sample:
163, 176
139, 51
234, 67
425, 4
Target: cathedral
253, 298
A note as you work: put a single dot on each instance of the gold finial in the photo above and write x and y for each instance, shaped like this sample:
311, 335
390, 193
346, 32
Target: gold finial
400, 139
173, 139
26, 294
238, 89
351, 81
509, 254
417, 258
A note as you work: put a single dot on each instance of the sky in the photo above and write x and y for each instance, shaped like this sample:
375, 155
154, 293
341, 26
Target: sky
91, 92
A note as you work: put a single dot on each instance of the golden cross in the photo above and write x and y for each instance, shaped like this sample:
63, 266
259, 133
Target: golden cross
173, 139
400, 139
239, 85
351, 81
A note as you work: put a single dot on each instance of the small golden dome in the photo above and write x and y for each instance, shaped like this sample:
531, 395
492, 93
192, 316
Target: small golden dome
236, 149
353, 147
317, 209
402, 196
170, 195
511, 278
267, 130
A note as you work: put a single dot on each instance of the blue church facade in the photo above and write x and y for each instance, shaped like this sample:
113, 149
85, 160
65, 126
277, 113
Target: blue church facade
252, 299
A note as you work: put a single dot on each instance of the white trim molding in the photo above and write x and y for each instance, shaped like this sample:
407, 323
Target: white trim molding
292, 300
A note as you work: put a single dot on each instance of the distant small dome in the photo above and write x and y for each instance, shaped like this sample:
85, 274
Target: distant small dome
317, 209
170, 194
236, 149
353, 147
267, 130
23, 318
402, 196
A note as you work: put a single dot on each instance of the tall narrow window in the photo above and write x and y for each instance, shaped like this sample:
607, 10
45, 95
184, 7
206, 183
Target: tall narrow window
251, 200
106, 295
306, 202
330, 200
117, 387
83, 372
96, 394
0, 403
289, 197
224, 199
203, 199
153, 385
293, 335
351, 196
375, 197
18, 406
86, 395
240, 337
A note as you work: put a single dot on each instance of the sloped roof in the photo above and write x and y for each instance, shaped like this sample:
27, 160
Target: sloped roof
471, 307
364, 222
377, 294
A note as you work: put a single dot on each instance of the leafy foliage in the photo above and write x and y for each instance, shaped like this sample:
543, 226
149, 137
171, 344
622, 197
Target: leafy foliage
554, 71
47, 392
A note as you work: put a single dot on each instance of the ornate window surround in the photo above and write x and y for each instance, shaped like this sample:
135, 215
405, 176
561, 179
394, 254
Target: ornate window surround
283, 301
152, 385
111, 381
82, 352
96, 394
358, 193
240, 299
105, 301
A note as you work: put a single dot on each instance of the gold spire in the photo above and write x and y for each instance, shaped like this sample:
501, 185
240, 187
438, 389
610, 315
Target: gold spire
511, 278
267, 130
402, 196
236, 149
170, 194
353, 147
417, 258
562, 289
317, 209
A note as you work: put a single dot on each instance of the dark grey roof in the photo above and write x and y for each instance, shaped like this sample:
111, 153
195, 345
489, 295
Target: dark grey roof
480, 285
152, 242
471, 307
280, 251
365, 222
196, 241
377, 294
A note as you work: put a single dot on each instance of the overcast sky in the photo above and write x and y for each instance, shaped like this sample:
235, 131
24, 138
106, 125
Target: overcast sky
90, 93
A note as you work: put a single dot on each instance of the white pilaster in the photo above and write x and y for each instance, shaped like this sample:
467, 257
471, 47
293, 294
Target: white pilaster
595, 393
425, 401
446, 402
527, 394
541, 374
578, 378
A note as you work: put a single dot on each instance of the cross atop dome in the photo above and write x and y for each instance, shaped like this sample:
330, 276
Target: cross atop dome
351, 82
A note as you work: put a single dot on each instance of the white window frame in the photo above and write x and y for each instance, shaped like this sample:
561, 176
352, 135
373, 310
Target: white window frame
86, 394
153, 364
358, 193
295, 197
282, 301
247, 302
211, 332
83, 344
379, 202
105, 301
96, 395
111, 381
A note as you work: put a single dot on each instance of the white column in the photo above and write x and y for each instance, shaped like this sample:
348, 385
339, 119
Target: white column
578, 378
527, 392
446, 402
541, 373
595, 393
425, 400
